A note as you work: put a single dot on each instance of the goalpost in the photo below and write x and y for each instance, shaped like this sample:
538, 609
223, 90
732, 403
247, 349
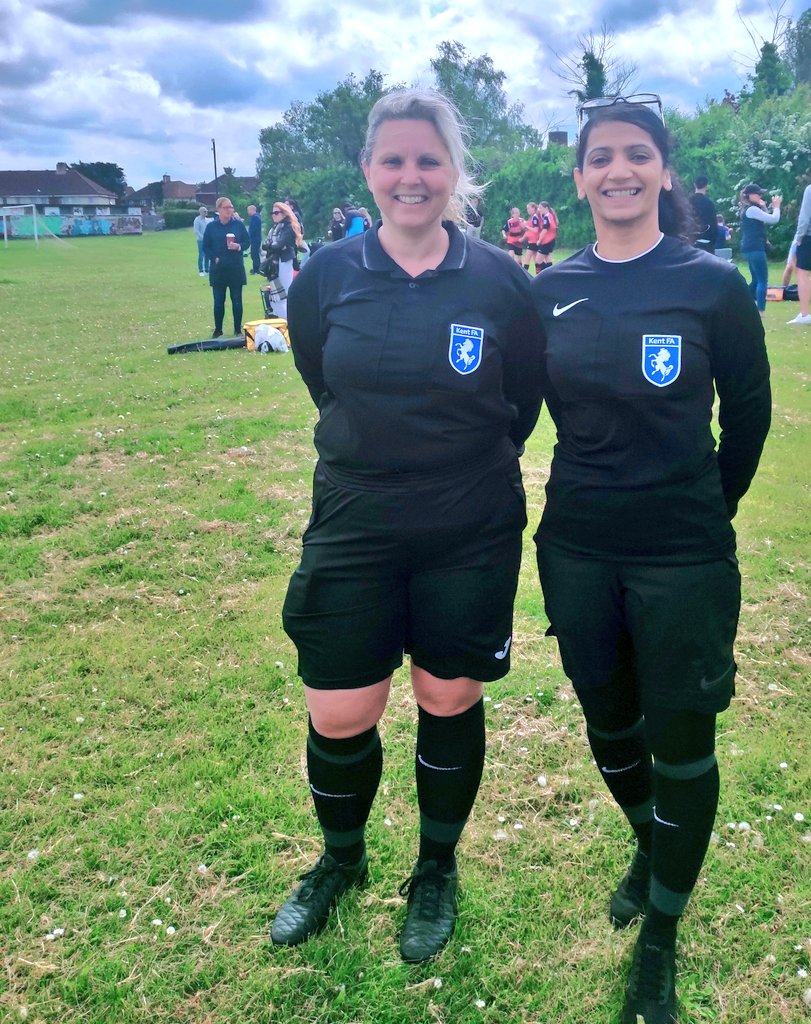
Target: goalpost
10, 211
27, 210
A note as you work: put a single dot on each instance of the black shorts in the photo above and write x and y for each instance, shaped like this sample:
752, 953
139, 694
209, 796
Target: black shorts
430, 571
532, 247
670, 627
517, 249
804, 253
546, 247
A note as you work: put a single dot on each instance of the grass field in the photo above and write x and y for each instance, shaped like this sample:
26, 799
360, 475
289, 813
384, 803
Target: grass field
153, 805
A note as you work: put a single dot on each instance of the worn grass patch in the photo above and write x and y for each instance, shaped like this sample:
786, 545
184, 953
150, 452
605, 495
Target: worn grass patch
153, 805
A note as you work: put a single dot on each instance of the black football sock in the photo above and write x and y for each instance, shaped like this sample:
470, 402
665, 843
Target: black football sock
625, 765
344, 775
449, 762
686, 801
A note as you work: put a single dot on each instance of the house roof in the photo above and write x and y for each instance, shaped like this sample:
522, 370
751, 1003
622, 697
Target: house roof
248, 184
51, 183
158, 191
178, 190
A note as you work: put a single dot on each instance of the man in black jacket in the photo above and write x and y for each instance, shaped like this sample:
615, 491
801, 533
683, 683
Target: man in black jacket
704, 214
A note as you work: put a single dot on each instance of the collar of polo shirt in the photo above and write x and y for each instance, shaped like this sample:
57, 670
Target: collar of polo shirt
375, 256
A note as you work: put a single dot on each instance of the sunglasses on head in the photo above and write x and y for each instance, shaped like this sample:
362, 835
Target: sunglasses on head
637, 99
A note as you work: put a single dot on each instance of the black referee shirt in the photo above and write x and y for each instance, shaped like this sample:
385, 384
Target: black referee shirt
422, 376
635, 353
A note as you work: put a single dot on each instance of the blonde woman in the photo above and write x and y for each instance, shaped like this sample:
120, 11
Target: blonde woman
283, 239
421, 350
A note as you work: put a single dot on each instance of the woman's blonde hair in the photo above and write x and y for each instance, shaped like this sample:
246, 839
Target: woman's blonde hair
292, 219
426, 105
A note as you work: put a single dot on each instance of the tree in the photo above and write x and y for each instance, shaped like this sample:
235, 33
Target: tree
475, 87
772, 75
227, 183
337, 120
592, 70
312, 153
798, 48
767, 142
107, 175
328, 132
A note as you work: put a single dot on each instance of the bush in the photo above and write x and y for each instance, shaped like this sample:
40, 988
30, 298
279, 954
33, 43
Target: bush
539, 175
179, 218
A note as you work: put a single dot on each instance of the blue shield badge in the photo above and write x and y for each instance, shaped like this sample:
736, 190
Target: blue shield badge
661, 358
465, 351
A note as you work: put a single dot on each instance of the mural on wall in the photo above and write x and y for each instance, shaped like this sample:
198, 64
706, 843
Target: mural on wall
76, 226
73, 227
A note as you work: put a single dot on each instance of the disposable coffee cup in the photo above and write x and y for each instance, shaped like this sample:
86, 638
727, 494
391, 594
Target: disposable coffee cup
229, 238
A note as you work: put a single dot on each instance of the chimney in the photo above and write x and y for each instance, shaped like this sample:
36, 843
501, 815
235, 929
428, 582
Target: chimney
166, 179
61, 168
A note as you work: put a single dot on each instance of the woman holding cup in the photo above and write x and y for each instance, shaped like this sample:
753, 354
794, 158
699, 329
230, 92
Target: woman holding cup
224, 241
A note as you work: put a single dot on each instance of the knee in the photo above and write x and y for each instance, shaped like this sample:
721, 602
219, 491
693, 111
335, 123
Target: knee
339, 714
342, 723
443, 707
444, 698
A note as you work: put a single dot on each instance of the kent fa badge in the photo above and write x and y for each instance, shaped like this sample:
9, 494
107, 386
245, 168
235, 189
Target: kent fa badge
465, 351
661, 358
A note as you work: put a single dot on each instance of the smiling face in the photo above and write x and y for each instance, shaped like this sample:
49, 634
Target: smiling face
622, 176
225, 209
410, 174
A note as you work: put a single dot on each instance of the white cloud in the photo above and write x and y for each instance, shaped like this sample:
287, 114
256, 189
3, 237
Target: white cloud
148, 83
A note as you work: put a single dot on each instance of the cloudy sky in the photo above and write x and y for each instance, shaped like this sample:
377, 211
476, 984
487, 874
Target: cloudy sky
147, 84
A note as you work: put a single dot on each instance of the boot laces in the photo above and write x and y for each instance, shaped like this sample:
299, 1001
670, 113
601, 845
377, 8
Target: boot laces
319, 873
650, 972
424, 889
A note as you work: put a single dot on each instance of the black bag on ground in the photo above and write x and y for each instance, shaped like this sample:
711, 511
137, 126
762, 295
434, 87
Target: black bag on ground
790, 293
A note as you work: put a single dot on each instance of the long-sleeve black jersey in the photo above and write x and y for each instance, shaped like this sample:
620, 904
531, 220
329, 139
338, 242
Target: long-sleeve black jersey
418, 376
635, 353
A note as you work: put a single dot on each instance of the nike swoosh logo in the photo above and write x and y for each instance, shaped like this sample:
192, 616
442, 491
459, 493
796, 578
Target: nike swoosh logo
662, 821
436, 767
615, 771
562, 309
334, 796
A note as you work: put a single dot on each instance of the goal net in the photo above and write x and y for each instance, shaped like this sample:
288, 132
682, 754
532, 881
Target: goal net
24, 222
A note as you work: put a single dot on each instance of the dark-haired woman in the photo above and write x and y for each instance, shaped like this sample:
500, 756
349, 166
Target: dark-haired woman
755, 219
636, 550
547, 237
